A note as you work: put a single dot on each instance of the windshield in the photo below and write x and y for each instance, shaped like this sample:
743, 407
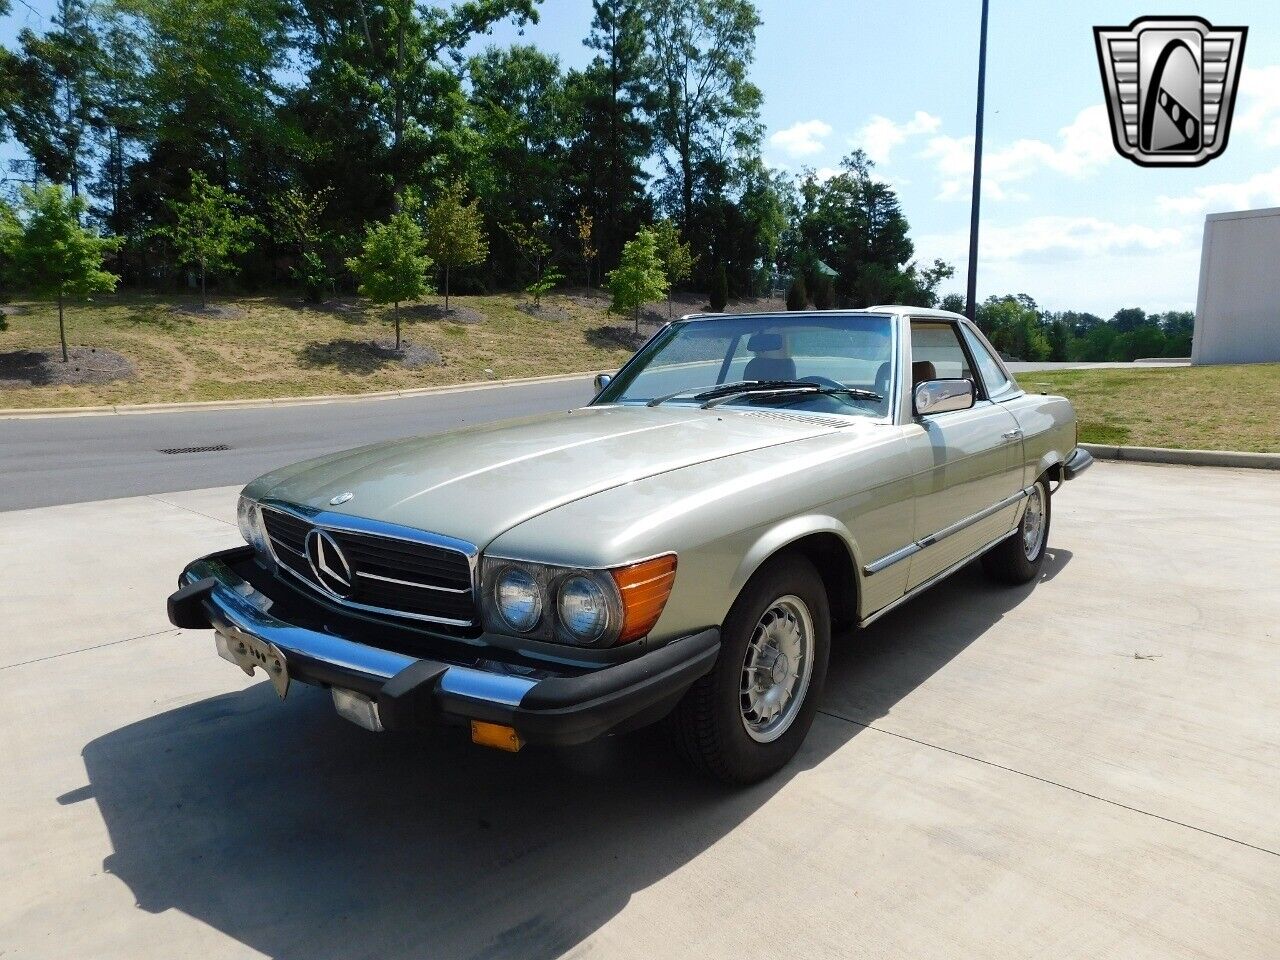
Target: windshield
694, 357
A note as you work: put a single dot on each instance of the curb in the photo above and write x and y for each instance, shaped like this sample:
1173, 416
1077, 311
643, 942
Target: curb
1191, 458
133, 409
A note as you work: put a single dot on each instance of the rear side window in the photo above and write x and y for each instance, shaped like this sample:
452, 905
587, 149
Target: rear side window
992, 374
936, 353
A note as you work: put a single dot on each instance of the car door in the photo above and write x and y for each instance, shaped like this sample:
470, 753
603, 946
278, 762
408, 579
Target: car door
968, 462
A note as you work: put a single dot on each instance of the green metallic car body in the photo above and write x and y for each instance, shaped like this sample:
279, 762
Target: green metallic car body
881, 506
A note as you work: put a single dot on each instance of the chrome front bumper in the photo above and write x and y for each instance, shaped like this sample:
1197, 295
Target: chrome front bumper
406, 691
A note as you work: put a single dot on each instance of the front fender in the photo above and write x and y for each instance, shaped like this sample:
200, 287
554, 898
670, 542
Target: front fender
783, 534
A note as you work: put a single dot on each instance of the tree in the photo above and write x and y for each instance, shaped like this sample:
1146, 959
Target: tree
1012, 324
705, 106
797, 296
675, 256
639, 277
209, 229
584, 226
393, 263
297, 218
50, 86
454, 232
610, 101
719, 289
55, 255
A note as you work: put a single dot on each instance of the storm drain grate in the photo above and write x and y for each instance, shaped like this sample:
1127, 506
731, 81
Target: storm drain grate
211, 448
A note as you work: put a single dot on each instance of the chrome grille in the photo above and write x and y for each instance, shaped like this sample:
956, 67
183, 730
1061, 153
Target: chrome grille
407, 574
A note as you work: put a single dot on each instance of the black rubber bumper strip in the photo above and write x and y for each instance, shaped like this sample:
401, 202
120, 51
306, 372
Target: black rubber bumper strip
1079, 461
186, 606
690, 656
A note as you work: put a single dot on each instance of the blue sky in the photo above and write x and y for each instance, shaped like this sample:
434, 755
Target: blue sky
1065, 218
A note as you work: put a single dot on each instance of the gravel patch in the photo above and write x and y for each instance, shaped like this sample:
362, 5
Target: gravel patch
44, 368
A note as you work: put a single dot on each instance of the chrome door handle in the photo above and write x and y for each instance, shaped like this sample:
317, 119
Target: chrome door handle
1011, 434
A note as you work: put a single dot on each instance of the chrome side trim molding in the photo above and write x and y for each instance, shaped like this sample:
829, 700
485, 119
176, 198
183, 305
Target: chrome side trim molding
941, 575
911, 549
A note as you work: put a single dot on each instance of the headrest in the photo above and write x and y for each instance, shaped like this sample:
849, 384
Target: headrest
923, 370
764, 342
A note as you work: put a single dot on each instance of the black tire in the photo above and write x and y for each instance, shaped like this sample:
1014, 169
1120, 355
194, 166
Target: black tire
1007, 562
708, 725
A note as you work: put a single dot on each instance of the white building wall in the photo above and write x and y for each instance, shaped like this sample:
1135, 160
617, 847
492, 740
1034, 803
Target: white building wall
1238, 308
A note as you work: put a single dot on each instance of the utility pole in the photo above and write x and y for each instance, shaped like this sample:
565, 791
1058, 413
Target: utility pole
971, 296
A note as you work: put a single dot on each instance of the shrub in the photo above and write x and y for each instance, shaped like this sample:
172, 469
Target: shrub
824, 294
797, 296
719, 289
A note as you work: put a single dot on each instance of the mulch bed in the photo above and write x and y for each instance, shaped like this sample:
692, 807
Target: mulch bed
368, 356
44, 368
436, 311
543, 311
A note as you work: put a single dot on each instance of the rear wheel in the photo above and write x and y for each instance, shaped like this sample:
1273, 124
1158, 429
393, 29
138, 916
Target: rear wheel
1019, 558
748, 717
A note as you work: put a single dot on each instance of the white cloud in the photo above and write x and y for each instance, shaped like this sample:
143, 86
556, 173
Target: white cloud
1083, 146
1259, 111
1081, 263
822, 174
802, 139
1056, 239
880, 134
1260, 190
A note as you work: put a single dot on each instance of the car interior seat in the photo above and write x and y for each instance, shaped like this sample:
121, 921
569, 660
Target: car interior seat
770, 360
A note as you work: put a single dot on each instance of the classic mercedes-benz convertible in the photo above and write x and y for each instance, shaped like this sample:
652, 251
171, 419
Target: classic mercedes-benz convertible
679, 549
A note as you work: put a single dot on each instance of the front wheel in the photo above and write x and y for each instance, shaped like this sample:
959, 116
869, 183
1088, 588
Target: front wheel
1018, 559
748, 717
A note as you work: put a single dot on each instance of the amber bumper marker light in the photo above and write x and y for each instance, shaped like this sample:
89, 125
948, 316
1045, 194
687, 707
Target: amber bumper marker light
496, 735
644, 588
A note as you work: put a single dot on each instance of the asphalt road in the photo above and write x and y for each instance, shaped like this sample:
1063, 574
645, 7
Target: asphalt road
51, 460
56, 460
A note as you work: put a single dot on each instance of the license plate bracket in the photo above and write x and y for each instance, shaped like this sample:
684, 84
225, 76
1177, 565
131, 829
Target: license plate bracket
250, 653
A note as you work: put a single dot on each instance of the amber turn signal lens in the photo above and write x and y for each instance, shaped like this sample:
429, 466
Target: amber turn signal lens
496, 735
644, 588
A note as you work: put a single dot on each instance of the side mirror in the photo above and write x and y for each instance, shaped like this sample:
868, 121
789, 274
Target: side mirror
603, 380
942, 396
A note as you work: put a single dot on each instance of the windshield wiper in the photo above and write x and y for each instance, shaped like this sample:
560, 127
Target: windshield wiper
783, 387
713, 390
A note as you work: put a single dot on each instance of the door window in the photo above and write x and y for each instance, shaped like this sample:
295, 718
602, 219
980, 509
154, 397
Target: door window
993, 374
936, 353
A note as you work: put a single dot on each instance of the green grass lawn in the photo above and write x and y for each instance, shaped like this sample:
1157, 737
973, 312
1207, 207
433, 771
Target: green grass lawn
1206, 408
279, 347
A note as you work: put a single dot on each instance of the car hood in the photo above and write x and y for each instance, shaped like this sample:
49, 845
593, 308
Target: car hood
478, 482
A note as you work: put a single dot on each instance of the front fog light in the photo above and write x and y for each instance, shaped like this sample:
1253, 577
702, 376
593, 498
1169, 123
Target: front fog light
584, 609
517, 599
249, 519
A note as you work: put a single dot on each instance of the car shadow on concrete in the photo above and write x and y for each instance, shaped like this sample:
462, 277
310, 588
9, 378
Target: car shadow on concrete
302, 836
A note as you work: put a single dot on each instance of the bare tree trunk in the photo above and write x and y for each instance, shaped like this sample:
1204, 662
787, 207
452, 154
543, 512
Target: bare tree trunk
635, 315
446, 288
204, 300
397, 312
62, 329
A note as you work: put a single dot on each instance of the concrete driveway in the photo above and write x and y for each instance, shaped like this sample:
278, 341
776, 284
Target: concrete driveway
1086, 767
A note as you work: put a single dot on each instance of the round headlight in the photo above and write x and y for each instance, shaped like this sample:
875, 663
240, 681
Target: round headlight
517, 598
249, 519
584, 609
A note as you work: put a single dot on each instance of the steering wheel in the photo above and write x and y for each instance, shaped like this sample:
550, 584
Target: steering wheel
823, 382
